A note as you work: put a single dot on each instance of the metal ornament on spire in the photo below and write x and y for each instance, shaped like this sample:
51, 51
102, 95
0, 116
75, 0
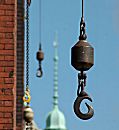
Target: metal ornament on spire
55, 97
55, 119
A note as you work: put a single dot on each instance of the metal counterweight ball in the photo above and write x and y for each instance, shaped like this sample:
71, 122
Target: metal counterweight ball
40, 55
28, 114
82, 56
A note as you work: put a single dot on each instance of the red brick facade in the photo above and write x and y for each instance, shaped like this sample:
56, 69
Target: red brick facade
11, 64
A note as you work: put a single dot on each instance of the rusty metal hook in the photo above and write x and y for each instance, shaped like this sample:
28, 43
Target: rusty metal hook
39, 72
84, 116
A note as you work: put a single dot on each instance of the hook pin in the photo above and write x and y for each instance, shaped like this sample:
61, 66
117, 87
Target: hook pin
84, 116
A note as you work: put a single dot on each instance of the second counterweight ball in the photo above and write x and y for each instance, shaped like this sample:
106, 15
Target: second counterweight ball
40, 55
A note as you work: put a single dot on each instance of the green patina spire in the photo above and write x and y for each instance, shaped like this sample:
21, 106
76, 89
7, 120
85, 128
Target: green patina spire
55, 119
55, 97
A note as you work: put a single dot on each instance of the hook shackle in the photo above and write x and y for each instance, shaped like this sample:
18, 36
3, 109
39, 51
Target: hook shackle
84, 116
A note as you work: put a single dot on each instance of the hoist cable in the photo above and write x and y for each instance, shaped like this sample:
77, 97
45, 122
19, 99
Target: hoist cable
40, 21
82, 8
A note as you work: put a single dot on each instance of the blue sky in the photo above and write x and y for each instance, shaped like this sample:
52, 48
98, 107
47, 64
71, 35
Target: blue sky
102, 25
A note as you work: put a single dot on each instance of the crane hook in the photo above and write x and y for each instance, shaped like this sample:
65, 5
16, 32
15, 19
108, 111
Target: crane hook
84, 116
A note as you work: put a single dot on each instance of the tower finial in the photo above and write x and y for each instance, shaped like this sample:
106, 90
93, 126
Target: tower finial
55, 97
55, 119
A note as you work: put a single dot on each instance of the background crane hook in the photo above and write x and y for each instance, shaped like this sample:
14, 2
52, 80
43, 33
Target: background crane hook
84, 116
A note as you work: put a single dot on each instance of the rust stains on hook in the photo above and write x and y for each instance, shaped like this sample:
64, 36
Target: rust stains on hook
84, 116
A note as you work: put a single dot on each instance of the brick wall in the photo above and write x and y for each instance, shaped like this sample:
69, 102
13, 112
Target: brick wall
11, 63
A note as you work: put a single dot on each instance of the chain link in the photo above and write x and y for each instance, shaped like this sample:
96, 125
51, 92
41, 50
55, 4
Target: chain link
81, 82
27, 44
83, 35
